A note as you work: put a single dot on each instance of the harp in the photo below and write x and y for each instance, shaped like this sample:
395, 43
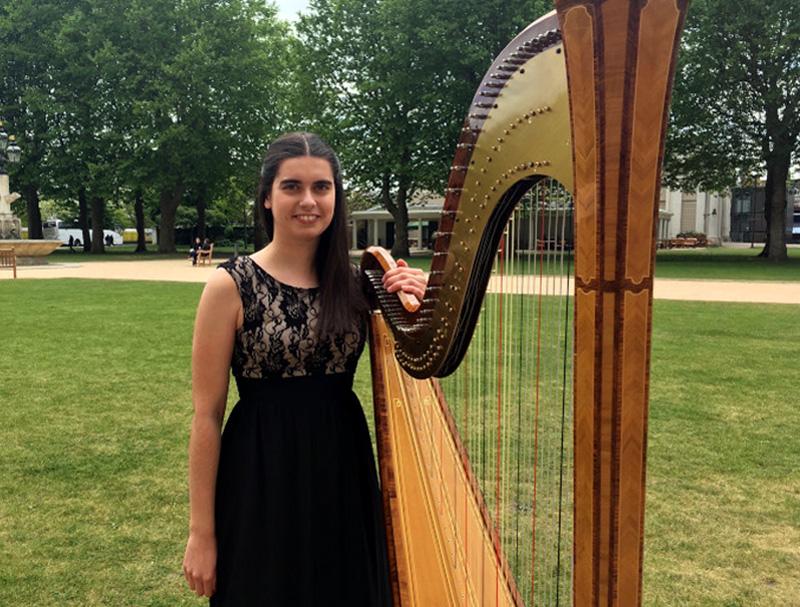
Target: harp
581, 96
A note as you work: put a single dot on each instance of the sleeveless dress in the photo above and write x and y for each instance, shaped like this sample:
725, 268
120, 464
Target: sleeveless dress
298, 511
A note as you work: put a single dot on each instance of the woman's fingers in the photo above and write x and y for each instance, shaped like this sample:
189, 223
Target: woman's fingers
406, 279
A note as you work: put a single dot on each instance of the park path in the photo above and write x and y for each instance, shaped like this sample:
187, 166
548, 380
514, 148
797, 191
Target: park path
179, 270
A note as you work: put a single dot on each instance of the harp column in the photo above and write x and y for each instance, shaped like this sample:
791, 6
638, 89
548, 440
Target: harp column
620, 57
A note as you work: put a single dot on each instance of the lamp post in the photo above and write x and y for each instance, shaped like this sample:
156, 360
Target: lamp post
10, 152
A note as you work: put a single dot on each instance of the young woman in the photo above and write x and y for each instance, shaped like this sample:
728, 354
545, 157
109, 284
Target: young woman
285, 507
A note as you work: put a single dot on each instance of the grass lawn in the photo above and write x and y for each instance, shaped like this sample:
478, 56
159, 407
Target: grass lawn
95, 392
707, 264
726, 264
127, 252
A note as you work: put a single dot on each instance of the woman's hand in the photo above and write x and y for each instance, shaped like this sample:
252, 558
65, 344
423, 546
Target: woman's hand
406, 279
200, 564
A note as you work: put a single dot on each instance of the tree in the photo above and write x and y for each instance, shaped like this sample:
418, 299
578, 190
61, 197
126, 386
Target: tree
205, 91
388, 83
735, 103
28, 30
117, 97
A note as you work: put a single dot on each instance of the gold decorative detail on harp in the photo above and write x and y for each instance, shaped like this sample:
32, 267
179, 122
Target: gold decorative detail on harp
581, 96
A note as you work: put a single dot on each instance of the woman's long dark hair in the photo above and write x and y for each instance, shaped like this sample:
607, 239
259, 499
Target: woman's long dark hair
341, 299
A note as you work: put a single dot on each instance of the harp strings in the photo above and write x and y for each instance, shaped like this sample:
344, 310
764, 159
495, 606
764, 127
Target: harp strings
512, 399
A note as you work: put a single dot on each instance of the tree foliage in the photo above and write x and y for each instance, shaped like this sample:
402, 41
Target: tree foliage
388, 83
120, 98
735, 103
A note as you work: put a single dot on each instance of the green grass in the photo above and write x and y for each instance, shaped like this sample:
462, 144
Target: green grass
723, 501
726, 264
706, 264
127, 253
95, 392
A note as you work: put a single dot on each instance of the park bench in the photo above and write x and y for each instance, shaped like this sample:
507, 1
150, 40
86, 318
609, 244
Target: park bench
8, 259
204, 257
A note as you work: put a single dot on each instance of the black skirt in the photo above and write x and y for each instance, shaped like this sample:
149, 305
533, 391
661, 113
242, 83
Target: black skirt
298, 511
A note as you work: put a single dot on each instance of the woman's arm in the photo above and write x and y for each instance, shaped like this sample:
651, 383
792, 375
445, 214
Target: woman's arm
218, 315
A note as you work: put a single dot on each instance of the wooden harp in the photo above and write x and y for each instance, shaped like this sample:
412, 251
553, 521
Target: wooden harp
580, 96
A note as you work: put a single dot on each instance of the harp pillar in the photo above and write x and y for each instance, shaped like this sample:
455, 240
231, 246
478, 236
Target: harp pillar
620, 57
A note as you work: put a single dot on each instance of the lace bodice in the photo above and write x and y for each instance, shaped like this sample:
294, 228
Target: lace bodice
278, 337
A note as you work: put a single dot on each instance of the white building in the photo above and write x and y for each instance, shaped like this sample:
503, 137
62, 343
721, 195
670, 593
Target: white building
678, 213
698, 212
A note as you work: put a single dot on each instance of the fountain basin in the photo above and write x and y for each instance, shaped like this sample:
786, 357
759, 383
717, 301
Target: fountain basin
31, 252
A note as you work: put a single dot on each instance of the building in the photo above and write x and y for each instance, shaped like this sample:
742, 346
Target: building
694, 213
679, 213
375, 226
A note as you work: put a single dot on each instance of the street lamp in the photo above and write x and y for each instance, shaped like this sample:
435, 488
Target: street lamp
8, 147
10, 226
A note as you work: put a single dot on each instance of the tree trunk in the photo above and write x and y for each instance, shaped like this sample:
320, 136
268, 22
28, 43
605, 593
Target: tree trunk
171, 197
769, 189
138, 209
777, 146
83, 220
98, 222
33, 212
777, 175
399, 211
201, 212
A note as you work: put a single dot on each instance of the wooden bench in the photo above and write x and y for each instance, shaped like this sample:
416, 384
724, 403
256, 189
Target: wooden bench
204, 257
8, 259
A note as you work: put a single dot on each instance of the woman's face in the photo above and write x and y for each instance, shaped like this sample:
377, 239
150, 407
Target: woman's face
302, 199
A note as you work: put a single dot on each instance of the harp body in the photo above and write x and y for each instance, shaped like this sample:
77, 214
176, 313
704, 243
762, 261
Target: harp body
580, 96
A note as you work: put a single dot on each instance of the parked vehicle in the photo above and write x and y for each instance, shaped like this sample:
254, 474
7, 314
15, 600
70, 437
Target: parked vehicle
131, 236
52, 230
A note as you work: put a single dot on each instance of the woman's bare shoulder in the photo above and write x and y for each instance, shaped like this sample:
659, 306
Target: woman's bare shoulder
221, 290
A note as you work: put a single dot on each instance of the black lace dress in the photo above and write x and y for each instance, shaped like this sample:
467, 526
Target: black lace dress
298, 511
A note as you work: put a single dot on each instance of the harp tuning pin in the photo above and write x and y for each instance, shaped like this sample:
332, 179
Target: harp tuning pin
500, 140
506, 131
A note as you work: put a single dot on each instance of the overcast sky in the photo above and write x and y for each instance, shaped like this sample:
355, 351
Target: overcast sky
287, 9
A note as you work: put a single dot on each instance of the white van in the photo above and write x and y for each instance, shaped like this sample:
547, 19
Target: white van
52, 230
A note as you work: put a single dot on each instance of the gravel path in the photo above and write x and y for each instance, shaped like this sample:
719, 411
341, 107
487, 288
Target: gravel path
182, 271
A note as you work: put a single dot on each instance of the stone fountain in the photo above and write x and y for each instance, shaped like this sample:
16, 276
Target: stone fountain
28, 252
